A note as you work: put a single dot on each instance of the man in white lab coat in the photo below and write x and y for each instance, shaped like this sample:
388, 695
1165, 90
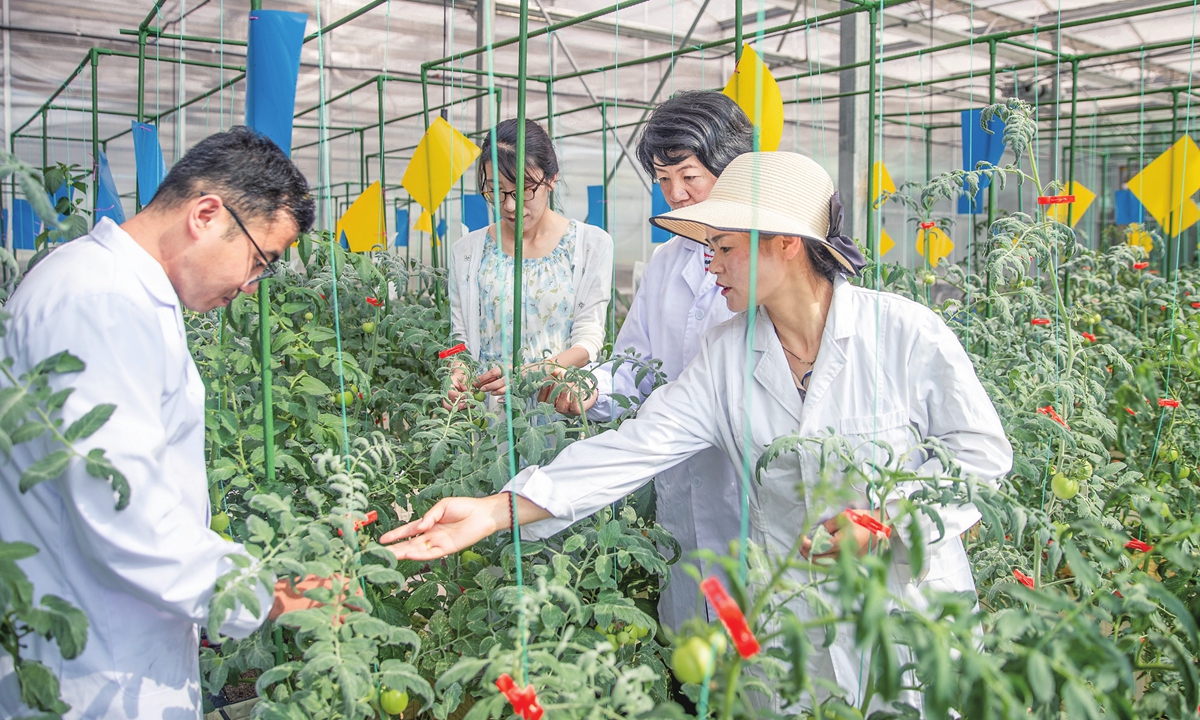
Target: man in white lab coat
685, 145
820, 353
143, 575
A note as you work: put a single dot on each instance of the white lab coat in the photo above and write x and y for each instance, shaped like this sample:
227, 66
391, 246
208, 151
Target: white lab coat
887, 368
697, 500
142, 575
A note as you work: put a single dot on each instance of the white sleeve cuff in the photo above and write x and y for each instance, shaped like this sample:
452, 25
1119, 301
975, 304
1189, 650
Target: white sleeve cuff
242, 622
537, 487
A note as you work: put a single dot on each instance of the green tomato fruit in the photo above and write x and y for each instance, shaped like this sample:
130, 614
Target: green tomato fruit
623, 638
338, 398
368, 327
719, 643
1064, 487
469, 556
692, 661
393, 702
480, 396
612, 639
929, 279
219, 522
1171, 455
308, 316
1083, 471
1096, 319
1184, 472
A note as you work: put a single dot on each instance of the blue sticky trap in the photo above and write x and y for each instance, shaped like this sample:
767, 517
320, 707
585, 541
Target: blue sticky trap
1128, 208
108, 200
596, 214
441, 228
401, 227
979, 146
272, 66
147, 155
474, 211
26, 225
658, 206
345, 243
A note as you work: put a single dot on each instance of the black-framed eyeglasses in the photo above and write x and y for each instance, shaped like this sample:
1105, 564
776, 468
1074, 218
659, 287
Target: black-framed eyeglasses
268, 264
530, 191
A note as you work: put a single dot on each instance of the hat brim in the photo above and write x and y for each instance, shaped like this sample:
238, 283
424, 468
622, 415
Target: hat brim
692, 222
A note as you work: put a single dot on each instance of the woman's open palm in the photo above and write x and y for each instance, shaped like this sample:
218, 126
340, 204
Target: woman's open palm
451, 525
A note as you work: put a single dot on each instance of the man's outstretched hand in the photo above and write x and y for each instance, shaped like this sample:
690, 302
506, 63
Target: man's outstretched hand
455, 524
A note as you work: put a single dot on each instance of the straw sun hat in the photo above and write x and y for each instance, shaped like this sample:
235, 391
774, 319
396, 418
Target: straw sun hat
776, 193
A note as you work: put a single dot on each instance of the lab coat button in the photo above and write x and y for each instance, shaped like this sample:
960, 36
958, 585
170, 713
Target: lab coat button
699, 314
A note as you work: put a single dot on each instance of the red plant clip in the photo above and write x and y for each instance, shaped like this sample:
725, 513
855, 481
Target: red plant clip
524, 702
1196, 305
869, 521
1138, 546
1089, 337
1023, 578
443, 354
928, 224
1049, 410
1141, 265
1055, 199
1168, 403
1130, 411
731, 617
1040, 321
374, 302
372, 516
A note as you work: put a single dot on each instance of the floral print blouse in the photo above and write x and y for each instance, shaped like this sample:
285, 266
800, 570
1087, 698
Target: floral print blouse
548, 299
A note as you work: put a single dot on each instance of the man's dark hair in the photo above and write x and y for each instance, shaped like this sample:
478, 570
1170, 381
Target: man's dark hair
701, 123
250, 173
539, 153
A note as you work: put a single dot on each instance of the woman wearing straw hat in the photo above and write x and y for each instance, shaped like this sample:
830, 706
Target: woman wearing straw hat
821, 353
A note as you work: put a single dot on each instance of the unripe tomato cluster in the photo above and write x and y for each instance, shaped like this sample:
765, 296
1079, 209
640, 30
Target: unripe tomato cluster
620, 636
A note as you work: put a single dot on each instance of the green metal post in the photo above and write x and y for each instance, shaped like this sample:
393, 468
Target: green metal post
45, 147
1172, 218
95, 131
550, 122
383, 159
737, 29
928, 154
991, 207
1103, 200
1071, 161
519, 233
141, 100
872, 249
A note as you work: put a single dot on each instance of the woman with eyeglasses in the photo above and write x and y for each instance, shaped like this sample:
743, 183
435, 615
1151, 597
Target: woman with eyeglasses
566, 274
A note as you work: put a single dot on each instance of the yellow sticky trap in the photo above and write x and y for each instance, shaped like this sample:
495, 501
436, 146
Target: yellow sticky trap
882, 180
885, 242
424, 223
440, 159
940, 244
750, 74
1137, 236
1165, 187
363, 223
1083, 199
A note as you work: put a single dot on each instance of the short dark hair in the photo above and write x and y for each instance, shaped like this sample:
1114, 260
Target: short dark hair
702, 123
248, 170
539, 152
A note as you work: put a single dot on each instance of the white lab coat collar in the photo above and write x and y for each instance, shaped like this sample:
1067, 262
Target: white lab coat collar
695, 274
772, 371
148, 270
